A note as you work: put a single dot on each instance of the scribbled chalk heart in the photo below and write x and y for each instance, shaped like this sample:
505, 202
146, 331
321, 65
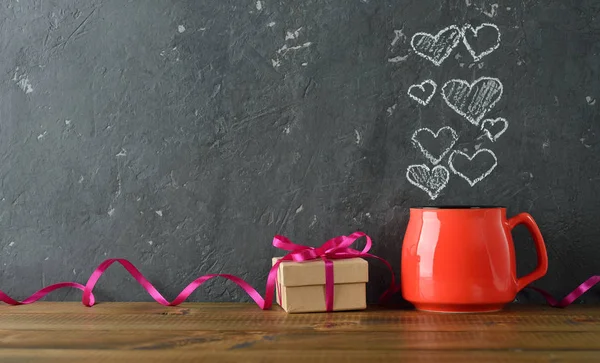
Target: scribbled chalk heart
436, 48
485, 33
486, 162
430, 181
472, 100
423, 92
435, 145
494, 128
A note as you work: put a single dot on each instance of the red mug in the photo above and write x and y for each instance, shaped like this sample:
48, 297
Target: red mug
462, 259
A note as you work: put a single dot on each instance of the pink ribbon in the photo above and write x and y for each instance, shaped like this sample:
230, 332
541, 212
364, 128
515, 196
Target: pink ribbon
336, 248
43, 292
572, 296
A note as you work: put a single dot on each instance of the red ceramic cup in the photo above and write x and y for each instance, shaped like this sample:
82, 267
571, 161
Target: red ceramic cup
462, 259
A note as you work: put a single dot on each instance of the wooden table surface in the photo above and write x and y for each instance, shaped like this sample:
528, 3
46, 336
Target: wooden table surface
194, 332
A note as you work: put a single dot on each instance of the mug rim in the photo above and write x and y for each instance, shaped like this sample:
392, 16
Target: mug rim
435, 207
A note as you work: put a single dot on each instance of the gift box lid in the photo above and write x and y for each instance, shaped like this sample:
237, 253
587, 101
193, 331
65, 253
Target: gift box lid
345, 271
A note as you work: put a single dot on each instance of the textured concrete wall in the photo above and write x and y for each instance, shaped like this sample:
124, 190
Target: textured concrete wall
183, 135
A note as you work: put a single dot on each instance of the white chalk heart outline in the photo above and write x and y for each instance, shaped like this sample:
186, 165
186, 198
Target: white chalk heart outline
468, 27
421, 86
436, 38
434, 187
492, 122
470, 158
474, 121
426, 152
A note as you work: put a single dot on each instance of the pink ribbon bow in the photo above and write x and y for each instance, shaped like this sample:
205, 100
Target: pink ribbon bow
336, 248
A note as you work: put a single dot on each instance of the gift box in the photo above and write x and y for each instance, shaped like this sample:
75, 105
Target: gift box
301, 285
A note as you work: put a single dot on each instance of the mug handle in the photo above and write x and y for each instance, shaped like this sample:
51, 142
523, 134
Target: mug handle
542, 256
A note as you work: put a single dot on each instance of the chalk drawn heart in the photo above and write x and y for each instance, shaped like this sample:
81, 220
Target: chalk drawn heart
436, 48
494, 128
472, 100
443, 140
423, 92
469, 31
481, 153
430, 181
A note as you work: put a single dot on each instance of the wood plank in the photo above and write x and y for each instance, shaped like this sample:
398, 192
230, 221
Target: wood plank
197, 332
245, 318
327, 356
267, 341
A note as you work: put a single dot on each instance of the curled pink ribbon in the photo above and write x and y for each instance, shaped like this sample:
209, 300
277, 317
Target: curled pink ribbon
572, 296
336, 248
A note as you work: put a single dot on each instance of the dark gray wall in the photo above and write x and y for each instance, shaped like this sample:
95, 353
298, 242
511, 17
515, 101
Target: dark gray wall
174, 134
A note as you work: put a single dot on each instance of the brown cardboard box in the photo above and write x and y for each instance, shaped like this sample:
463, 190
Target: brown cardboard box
302, 285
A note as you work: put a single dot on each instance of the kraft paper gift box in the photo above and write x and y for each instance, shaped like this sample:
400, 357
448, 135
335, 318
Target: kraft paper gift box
301, 285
